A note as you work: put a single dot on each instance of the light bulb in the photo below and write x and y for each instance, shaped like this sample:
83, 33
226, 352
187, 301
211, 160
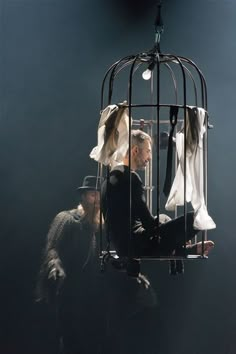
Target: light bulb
147, 74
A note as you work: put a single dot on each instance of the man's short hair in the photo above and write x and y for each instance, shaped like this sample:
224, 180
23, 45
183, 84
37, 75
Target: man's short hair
138, 137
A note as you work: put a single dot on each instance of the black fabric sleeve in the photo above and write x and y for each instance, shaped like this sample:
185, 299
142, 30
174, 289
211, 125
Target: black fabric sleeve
139, 205
57, 234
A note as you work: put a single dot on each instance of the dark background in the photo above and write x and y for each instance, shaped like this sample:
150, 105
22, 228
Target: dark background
53, 55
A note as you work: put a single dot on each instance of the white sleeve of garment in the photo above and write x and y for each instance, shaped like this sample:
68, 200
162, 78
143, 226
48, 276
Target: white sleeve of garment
123, 140
103, 152
194, 178
176, 196
97, 152
202, 220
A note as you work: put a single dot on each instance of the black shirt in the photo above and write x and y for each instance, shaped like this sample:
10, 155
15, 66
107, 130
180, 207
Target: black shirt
116, 211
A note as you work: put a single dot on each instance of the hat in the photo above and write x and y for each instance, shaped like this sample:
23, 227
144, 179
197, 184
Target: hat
90, 183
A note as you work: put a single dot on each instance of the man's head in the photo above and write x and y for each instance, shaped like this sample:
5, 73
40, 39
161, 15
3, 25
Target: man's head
90, 199
89, 193
141, 149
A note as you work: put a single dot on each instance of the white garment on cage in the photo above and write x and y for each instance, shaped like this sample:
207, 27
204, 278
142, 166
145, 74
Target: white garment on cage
194, 170
113, 135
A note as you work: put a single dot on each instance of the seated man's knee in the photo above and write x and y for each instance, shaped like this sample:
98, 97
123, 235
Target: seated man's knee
163, 218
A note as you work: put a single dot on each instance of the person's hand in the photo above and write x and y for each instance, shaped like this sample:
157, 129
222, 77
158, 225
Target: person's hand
142, 279
56, 276
56, 271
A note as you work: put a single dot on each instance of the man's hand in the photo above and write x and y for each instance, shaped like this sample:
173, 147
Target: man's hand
56, 271
141, 279
56, 276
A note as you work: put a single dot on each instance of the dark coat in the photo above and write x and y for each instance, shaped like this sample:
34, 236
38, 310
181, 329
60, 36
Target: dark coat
116, 210
95, 311
72, 245
143, 236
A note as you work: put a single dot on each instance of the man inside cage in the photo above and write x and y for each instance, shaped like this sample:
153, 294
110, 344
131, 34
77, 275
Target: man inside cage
149, 236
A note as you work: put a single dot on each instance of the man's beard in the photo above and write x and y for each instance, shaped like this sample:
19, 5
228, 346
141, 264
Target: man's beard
141, 165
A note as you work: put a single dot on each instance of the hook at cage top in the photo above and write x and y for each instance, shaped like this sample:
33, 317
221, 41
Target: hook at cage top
158, 86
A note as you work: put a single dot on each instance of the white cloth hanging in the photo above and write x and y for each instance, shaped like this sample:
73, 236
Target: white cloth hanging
195, 129
113, 135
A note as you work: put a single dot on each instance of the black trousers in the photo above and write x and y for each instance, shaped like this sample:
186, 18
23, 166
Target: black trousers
172, 237
172, 233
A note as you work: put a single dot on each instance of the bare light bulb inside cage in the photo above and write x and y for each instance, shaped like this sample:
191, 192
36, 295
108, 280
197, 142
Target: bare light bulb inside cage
147, 74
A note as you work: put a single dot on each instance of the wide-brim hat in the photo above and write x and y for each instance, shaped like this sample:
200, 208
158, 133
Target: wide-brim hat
90, 183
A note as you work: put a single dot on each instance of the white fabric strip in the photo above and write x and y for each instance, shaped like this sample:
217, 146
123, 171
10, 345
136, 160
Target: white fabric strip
113, 144
194, 172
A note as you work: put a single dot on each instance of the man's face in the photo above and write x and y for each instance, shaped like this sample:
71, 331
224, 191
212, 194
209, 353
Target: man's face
91, 199
142, 155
